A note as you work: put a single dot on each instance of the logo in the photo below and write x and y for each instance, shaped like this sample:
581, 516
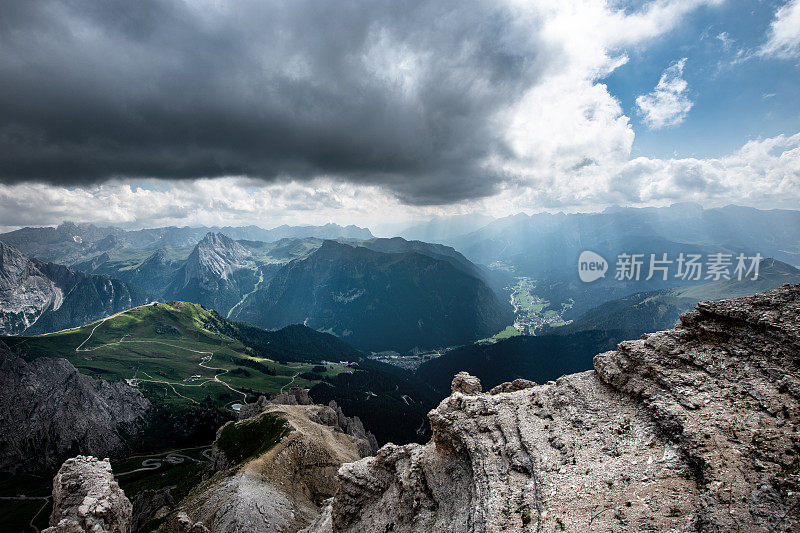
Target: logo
591, 266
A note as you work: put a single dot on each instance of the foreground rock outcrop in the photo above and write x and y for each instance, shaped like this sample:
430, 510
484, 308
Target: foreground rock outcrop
87, 499
351, 425
280, 484
49, 411
691, 429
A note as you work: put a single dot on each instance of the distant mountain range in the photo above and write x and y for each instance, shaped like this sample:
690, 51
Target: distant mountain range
440, 228
395, 294
378, 294
650, 311
39, 297
547, 244
423, 297
70, 243
545, 247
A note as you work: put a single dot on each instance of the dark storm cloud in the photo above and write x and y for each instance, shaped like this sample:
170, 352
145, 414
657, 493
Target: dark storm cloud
395, 93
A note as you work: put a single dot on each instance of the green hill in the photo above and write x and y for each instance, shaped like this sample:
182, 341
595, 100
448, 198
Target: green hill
187, 354
194, 366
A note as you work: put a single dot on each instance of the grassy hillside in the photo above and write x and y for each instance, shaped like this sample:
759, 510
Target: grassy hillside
194, 366
187, 354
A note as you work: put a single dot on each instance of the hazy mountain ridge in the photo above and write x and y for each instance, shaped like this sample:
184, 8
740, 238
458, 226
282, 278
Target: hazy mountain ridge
545, 247
658, 310
441, 228
69, 242
378, 300
545, 242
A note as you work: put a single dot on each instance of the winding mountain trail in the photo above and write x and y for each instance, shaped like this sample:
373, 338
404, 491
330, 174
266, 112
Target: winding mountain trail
207, 357
255, 288
290, 382
156, 462
78, 349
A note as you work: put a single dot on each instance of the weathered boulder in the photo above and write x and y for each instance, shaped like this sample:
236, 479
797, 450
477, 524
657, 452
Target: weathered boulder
466, 384
513, 386
87, 499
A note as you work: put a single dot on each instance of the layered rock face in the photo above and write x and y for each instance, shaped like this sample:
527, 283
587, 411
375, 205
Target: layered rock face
49, 411
87, 499
281, 489
25, 292
691, 429
38, 297
216, 258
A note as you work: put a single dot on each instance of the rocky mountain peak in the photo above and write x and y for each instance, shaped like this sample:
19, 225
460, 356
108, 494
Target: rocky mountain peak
691, 429
216, 256
25, 292
159, 257
773, 266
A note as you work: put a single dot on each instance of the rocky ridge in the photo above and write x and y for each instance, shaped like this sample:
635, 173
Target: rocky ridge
690, 429
49, 411
350, 425
280, 489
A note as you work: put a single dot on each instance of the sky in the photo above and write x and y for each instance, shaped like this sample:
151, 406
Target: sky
375, 112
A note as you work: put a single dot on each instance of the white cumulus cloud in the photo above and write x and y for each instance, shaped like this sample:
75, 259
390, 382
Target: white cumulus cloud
669, 103
783, 38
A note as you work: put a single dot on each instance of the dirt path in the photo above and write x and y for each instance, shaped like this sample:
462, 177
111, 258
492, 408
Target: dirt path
292, 381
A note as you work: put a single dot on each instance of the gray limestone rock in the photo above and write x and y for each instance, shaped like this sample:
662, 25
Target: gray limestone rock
87, 499
691, 429
49, 411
